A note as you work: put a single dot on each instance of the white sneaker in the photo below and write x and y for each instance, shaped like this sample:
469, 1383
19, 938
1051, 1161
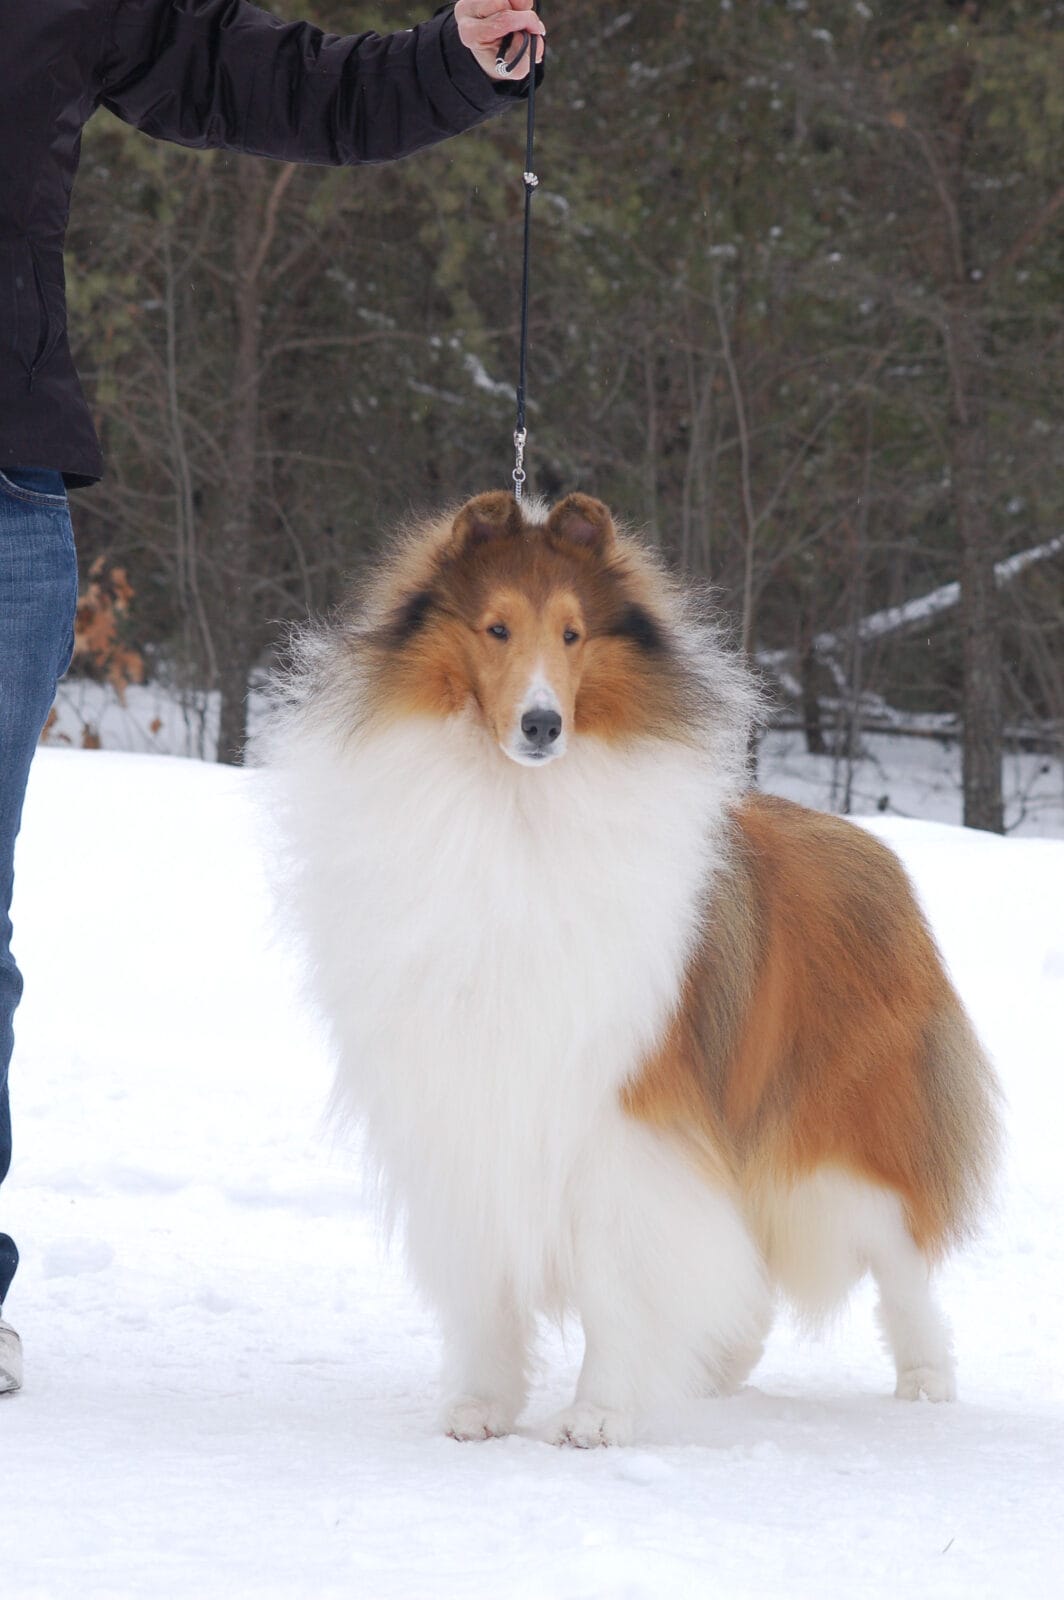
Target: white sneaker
10, 1358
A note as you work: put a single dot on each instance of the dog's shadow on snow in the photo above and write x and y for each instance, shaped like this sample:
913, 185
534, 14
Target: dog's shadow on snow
856, 1432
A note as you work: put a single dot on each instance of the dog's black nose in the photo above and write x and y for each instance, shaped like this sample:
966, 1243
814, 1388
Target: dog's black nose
541, 726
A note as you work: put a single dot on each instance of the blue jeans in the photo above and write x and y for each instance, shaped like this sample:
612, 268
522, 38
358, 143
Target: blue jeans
38, 598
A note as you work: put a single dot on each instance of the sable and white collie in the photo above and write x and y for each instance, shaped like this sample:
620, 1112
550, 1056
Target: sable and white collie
626, 1040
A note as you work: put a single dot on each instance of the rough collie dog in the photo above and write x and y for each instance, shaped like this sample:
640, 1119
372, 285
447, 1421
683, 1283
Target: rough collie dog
626, 1040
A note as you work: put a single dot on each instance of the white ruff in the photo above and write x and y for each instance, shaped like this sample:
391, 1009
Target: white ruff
496, 949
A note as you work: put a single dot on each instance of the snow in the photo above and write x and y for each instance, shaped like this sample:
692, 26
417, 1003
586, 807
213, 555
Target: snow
898, 774
913, 777
230, 1388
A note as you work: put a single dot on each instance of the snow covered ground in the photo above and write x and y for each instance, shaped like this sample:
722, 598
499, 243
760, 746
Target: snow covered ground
897, 775
230, 1389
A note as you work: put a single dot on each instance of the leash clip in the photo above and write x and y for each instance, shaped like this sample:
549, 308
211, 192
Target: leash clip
519, 473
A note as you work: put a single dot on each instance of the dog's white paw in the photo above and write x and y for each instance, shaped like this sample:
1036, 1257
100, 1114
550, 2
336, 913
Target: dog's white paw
586, 1427
469, 1418
937, 1383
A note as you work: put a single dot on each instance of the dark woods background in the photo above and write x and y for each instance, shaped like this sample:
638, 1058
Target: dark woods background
797, 309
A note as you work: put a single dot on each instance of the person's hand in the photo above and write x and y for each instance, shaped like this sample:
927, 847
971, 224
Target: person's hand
483, 24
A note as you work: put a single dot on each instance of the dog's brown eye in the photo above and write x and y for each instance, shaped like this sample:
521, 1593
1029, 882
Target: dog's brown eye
570, 636
499, 630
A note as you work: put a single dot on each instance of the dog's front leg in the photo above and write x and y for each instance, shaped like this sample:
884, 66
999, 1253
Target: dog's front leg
607, 1399
486, 1342
667, 1281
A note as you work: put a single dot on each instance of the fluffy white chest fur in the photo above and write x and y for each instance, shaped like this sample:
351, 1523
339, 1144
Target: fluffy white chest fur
496, 948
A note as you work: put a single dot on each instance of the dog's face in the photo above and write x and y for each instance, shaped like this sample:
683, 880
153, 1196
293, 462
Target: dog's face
525, 668
541, 626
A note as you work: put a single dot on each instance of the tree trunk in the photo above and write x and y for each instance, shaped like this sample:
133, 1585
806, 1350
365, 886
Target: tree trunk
982, 716
237, 633
234, 670
812, 721
968, 445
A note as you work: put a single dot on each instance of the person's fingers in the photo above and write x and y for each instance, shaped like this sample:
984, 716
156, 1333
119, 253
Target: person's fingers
514, 23
483, 24
488, 8
488, 28
498, 25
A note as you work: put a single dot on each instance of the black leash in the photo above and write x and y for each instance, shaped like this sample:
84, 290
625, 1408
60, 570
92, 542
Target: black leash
531, 184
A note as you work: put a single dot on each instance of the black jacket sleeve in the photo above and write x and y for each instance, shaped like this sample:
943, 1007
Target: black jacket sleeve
222, 73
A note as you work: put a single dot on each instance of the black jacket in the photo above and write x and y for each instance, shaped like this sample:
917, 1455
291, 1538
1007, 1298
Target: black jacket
205, 73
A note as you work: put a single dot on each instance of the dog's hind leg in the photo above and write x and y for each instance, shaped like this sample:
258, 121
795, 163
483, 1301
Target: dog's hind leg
736, 1363
913, 1326
486, 1341
667, 1280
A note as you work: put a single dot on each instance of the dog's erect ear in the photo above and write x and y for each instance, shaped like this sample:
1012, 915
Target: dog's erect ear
487, 516
584, 522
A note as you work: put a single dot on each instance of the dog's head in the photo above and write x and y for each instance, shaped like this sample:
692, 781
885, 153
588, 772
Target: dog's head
548, 625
